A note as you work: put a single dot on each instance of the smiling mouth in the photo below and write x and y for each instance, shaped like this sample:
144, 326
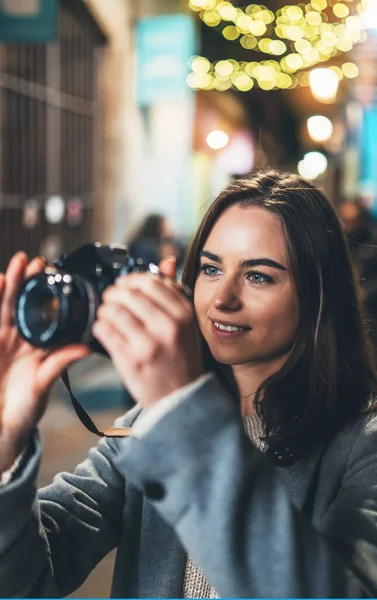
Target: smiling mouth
229, 328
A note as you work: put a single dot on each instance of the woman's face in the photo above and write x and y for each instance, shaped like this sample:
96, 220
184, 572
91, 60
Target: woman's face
245, 298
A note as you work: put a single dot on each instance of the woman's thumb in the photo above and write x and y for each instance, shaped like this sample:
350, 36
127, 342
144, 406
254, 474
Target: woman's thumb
168, 267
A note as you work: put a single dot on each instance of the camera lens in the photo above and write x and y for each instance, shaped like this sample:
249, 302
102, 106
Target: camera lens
55, 308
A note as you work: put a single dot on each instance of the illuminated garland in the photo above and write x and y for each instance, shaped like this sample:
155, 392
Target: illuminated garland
305, 34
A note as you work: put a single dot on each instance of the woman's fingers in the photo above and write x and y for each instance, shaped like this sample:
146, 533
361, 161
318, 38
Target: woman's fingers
137, 318
55, 363
13, 280
168, 267
166, 294
35, 266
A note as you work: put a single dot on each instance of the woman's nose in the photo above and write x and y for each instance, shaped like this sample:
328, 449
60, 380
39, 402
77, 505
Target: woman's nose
227, 296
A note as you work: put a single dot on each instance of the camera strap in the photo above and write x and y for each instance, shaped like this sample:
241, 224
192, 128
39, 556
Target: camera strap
85, 418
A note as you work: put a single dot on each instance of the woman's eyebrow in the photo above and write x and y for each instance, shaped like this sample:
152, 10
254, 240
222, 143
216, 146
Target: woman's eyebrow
251, 262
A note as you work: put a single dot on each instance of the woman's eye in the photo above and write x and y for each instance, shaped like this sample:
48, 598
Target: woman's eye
210, 270
257, 277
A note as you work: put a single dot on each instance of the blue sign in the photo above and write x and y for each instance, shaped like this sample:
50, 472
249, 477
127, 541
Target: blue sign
28, 21
163, 46
368, 158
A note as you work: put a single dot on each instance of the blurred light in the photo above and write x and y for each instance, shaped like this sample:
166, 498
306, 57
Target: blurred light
369, 16
54, 209
238, 157
319, 4
338, 72
217, 139
277, 47
312, 165
294, 13
350, 70
294, 62
323, 84
257, 28
226, 11
341, 10
320, 128
313, 18
231, 33
224, 68
249, 42
243, 82
200, 65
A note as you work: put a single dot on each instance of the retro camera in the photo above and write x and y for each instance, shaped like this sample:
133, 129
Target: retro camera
58, 306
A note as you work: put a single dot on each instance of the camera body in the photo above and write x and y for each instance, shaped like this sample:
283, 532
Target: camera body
58, 306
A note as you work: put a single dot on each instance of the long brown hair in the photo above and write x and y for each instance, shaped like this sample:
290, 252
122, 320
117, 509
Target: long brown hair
329, 377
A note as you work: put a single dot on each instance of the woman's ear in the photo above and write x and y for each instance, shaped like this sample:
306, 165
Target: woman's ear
168, 267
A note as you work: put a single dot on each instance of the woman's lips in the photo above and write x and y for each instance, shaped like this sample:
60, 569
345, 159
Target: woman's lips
227, 335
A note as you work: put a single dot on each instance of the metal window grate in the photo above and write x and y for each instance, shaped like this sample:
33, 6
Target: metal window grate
49, 108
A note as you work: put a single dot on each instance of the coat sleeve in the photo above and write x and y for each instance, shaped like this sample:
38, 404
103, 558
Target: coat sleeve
233, 514
50, 542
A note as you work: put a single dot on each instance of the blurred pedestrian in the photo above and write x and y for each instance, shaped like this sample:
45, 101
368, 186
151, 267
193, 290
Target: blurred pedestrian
145, 243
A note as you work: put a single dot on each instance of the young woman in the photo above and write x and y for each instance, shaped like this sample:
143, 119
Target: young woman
252, 468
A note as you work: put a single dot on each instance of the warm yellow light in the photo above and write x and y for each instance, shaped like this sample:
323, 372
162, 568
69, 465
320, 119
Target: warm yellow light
350, 70
243, 22
227, 11
243, 82
266, 85
277, 47
257, 28
344, 45
338, 72
303, 46
312, 165
294, 13
329, 39
283, 81
217, 139
200, 65
313, 18
319, 4
198, 81
323, 84
249, 42
224, 68
294, 62
294, 33
353, 23
222, 84
203, 4
310, 32
266, 16
341, 10
211, 18
320, 128
231, 32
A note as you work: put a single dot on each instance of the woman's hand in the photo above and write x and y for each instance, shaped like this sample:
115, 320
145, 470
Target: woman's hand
26, 373
148, 327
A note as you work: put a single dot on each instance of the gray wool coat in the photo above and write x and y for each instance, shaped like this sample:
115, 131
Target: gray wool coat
195, 484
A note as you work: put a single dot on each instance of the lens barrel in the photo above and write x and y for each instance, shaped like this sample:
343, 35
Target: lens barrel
55, 308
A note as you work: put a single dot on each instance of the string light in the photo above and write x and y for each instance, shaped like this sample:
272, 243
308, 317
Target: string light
296, 37
242, 76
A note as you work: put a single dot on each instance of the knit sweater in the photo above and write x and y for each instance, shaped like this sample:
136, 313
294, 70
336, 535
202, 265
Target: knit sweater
195, 585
